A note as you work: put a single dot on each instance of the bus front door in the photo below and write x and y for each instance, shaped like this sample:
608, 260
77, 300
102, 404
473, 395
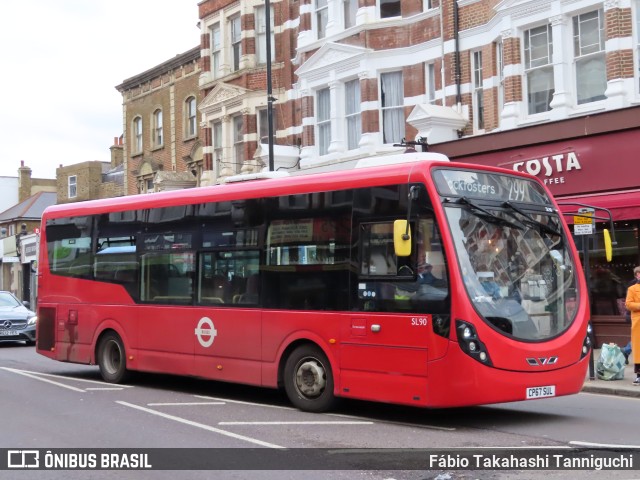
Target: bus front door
383, 357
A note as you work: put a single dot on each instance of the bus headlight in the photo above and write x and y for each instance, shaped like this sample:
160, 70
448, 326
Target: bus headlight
471, 344
587, 344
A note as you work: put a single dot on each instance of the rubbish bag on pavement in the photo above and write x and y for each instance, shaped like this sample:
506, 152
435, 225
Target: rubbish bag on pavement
610, 365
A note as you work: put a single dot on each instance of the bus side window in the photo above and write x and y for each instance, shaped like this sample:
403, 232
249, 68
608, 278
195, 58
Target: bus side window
168, 277
229, 277
251, 291
378, 254
69, 248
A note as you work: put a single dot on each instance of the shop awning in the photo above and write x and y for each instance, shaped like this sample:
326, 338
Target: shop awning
623, 205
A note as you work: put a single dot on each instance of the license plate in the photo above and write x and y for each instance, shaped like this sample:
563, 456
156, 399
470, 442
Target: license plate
7, 333
541, 392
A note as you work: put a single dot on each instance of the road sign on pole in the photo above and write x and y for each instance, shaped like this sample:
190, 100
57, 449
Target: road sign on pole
584, 223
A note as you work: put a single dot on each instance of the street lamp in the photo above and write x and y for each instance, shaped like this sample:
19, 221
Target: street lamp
270, 98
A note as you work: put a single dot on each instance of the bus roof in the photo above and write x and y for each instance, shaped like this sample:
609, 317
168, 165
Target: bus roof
367, 172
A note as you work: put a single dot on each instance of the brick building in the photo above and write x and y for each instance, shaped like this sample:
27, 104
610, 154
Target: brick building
17, 238
92, 179
547, 87
352, 78
161, 125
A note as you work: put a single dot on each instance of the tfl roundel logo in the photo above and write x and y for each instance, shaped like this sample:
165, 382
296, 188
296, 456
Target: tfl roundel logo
206, 332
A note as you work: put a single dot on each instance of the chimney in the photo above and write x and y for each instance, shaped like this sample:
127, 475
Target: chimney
24, 182
117, 152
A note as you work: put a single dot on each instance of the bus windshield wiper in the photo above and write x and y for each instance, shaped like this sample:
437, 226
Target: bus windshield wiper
489, 216
528, 219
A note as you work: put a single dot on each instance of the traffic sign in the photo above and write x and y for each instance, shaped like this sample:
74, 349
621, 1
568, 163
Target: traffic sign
582, 229
585, 217
580, 220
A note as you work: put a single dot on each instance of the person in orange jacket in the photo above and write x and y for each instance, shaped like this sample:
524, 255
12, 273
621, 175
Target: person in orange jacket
633, 305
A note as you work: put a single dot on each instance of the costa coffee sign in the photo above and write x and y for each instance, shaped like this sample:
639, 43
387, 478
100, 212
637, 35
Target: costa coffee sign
594, 163
551, 168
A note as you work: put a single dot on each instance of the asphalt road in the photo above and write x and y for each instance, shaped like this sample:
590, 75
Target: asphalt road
51, 405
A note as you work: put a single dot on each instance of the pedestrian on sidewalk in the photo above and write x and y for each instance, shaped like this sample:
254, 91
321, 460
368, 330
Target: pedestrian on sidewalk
626, 350
633, 305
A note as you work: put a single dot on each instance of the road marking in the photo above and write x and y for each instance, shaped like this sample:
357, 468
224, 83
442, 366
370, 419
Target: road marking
244, 403
37, 377
402, 424
601, 445
201, 425
105, 388
296, 423
188, 404
428, 427
40, 375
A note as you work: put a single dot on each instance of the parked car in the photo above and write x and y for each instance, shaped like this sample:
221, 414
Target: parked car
17, 322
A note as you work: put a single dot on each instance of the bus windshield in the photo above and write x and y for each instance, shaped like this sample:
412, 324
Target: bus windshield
516, 263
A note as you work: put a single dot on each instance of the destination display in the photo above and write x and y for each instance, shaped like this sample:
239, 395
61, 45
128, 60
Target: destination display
488, 186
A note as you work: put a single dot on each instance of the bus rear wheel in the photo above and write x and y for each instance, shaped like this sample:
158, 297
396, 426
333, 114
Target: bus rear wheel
308, 379
112, 359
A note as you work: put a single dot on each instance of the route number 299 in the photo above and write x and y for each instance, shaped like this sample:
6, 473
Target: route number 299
419, 321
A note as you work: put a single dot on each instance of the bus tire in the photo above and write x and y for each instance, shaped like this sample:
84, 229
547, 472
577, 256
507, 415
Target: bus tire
308, 379
112, 359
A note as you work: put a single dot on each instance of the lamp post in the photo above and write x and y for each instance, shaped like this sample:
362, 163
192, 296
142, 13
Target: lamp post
270, 98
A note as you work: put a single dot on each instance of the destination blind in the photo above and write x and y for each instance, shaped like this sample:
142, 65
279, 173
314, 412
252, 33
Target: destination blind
488, 186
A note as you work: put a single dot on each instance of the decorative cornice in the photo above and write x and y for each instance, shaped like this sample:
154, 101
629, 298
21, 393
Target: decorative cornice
178, 61
222, 94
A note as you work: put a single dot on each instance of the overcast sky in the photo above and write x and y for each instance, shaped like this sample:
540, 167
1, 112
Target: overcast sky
61, 61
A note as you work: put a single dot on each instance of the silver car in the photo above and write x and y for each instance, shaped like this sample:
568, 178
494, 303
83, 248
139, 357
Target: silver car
17, 322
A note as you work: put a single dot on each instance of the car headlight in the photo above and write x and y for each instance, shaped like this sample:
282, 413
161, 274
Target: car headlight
32, 320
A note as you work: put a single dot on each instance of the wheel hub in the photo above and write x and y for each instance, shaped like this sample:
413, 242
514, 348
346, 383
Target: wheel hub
310, 379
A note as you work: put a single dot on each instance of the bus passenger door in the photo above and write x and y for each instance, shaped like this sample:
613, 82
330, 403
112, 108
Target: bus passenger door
228, 327
384, 357
387, 346
167, 314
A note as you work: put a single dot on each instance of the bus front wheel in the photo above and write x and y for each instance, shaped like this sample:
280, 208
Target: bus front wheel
111, 358
308, 379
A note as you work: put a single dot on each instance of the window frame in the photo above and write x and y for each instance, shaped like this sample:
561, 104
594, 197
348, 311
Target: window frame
535, 67
321, 17
238, 142
72, 184
350, 13
262, 116
215, 33
158, 137
191, 117
235, 41
323, 121
136, 142
353, 119
395, 13
581, 57
388, 111
477, 101
216, 143
430, 76
499, 52
261, 34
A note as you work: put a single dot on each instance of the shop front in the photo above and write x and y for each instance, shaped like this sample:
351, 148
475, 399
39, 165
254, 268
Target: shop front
584, 161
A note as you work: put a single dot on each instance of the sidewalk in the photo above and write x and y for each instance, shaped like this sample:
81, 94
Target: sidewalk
612, 387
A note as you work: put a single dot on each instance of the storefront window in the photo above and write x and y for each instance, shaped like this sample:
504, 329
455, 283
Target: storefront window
608, 281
